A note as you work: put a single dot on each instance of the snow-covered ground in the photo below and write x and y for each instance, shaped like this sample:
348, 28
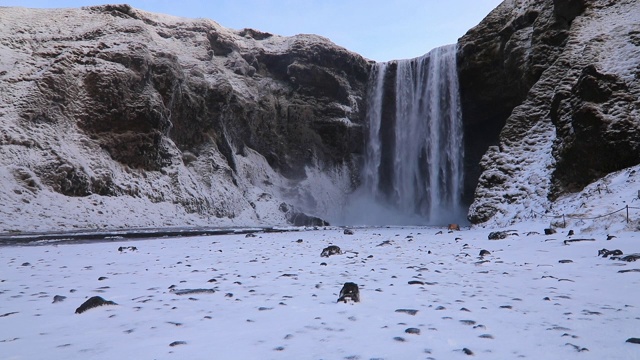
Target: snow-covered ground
535, 296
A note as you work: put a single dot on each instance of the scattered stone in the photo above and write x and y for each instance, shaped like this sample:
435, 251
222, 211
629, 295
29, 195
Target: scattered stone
279, 348
349, 291
263, 308
629, 270
93, 302
192, 291
416, 282
486, 336
399, 339
467, 351
549, 231
102, 278
628, 258
567, 242
506, 307
58, 298
407, 311
578, 348
250, 235
606, 253
453, 227
414, 331
212, 280
633, 340
438, 233
323, 264
330, 250
439, 308
499, 235
348, 232
468, 322
565, 261
570, 233
299, 241
385, 243
610, 237
7, 314
484, 253
176, 343
127, 248
26, 264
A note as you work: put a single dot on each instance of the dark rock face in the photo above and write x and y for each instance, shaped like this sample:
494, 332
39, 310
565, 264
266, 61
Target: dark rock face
498, 62
597, 132
176, 105
549, 91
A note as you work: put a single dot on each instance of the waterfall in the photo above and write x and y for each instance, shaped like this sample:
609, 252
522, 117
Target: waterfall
413, 163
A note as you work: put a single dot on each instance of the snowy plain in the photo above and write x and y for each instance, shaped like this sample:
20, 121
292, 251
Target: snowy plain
273, 298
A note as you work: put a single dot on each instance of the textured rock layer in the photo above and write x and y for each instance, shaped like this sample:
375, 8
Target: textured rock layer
115, 102
563, 78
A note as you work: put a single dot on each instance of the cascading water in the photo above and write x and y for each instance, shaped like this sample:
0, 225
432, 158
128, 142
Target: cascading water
413, 165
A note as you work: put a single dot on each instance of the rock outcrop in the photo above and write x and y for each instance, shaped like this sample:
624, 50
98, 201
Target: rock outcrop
551, 90
108, 105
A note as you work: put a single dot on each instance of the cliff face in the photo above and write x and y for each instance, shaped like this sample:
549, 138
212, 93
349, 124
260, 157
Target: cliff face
554, 86
106, 106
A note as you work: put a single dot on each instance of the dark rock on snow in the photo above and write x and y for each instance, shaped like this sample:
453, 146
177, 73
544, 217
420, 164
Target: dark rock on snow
349, 291
192, 291
628, 258
499, 235
407, 311
93, 302
605, 253
414, 331
330, 250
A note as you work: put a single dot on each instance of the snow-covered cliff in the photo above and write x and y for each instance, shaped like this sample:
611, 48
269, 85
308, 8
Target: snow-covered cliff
564, 79
115, 117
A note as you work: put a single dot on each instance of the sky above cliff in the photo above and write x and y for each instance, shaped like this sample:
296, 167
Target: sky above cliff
378, 30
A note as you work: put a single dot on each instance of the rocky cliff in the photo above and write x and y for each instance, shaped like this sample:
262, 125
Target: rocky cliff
111, 116
551, 89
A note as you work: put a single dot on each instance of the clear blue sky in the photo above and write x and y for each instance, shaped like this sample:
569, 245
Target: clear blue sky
377, 29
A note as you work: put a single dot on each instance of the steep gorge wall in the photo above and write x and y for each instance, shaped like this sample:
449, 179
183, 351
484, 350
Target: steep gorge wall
550, 90
114, 102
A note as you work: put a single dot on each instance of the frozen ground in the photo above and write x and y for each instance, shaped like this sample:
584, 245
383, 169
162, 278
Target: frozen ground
275, 299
